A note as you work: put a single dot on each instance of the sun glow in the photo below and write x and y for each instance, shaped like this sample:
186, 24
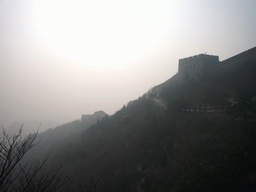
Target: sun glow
101, 32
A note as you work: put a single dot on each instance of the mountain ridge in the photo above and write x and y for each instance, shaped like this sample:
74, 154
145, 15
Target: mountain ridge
183, 147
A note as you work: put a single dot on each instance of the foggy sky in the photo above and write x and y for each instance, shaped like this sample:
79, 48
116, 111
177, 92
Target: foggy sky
62, 59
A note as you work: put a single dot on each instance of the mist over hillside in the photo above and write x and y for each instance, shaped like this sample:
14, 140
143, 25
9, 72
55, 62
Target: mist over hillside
127, 96
51, 138
187, 134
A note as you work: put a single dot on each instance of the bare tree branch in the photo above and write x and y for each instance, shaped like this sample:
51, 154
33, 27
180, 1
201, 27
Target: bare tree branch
27, 177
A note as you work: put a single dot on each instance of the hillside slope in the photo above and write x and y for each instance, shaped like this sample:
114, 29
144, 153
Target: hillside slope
157, 150
53, 137
146, 147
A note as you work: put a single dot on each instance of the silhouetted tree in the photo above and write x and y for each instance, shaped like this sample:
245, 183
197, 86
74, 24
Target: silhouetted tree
27, 177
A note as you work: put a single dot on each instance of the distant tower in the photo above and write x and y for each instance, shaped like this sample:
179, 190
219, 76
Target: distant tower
197, 64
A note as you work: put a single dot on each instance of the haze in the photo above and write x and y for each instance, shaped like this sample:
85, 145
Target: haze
62, 59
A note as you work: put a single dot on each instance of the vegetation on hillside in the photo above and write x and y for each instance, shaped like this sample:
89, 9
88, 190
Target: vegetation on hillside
204, 140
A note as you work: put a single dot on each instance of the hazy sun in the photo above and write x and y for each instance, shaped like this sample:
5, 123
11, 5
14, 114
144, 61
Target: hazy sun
101, 32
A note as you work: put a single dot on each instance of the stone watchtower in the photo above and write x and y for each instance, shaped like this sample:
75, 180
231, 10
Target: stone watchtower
198, 64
